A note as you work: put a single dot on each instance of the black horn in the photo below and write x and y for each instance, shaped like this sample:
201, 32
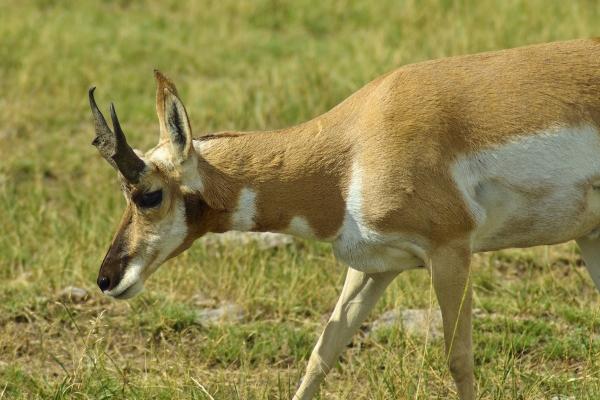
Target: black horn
113, 146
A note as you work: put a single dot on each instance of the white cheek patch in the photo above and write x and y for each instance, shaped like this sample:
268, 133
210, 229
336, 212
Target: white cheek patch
170, 234
242, 218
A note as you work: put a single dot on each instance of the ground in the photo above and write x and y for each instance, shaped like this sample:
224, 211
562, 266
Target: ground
246, 65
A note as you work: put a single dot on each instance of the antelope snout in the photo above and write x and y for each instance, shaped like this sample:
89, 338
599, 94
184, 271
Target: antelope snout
120, 277
121, 285
111, 273
113, 266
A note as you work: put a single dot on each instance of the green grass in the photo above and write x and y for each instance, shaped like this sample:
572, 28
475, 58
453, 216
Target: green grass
246, 65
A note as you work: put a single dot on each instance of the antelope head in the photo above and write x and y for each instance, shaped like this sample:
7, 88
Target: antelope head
158, 187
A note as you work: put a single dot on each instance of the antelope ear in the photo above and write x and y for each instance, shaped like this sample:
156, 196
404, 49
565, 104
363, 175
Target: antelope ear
173, 119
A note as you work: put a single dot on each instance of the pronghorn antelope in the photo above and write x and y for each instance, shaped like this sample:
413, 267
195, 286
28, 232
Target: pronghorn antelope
420, 168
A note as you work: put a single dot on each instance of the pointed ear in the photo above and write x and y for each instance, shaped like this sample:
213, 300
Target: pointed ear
173, 119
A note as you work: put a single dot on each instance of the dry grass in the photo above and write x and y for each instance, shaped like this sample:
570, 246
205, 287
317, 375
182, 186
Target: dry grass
245, 65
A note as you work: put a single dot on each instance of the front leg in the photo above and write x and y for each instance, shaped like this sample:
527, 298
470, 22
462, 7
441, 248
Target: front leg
450, 269
360, 293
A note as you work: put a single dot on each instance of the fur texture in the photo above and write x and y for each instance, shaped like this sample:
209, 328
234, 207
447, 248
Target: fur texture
419, 168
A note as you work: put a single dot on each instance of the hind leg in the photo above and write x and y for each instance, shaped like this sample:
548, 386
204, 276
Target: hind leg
450, 269
590, 251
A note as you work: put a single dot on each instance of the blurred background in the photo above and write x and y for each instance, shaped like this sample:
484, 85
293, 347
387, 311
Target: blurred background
237, 320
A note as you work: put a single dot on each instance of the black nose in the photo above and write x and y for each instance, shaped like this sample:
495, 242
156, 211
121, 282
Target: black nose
103, 283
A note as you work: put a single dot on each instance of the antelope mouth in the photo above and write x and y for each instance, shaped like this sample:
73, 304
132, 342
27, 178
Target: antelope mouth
129, 292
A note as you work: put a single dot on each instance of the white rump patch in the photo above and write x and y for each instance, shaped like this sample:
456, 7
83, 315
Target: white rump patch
242, 218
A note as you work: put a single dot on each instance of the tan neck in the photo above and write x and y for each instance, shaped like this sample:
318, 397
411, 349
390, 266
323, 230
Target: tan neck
291, 180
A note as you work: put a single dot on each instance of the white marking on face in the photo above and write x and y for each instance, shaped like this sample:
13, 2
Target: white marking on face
169, 235
131, 280
299, 226
242, 218
542, 184
365, 249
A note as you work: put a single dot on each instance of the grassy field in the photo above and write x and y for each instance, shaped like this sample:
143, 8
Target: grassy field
246, 65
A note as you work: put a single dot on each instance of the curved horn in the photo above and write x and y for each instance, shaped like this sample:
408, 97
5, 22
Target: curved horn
113, 146
104, 140
130, 165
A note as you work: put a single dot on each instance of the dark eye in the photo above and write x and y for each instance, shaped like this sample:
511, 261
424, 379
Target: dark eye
149, 200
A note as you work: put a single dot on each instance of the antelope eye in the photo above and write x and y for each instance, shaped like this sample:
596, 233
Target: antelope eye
149, 200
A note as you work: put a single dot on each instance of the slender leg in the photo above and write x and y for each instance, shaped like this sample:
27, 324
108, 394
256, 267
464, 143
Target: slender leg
360, 293
450, 270
590, 251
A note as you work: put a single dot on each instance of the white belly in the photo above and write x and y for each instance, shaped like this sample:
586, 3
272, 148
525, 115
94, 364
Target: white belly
540, 189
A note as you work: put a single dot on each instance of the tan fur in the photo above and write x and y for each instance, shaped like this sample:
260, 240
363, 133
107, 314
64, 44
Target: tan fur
408, 126
300, 168
404, 131
163, 84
